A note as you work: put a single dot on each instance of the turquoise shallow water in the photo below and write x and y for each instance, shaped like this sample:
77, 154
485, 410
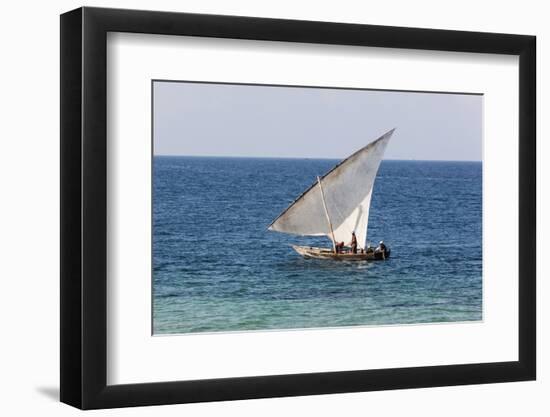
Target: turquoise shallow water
217, 268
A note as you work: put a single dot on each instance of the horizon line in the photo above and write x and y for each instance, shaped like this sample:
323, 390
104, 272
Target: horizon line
310, 157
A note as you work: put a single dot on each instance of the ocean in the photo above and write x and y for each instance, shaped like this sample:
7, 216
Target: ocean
216, 268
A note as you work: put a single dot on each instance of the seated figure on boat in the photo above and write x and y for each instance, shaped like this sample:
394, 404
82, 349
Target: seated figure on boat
339, 247
381, 247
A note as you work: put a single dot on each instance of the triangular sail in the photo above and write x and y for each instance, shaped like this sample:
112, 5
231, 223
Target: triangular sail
347, 193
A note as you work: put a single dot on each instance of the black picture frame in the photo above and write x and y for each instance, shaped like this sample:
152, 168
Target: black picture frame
84, 207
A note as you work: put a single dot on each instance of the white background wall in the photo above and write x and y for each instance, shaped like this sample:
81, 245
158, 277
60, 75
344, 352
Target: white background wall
29, 225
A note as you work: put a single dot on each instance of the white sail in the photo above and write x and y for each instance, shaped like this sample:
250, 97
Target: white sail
347, 192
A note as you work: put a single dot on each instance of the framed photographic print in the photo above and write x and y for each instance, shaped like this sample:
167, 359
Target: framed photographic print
258, 207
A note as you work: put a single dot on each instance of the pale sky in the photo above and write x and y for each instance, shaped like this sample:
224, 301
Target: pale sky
262, 121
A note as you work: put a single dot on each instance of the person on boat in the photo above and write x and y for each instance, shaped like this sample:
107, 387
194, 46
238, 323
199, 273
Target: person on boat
353, 243
381, 247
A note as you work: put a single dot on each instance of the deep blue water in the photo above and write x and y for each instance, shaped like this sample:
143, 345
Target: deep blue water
217, 268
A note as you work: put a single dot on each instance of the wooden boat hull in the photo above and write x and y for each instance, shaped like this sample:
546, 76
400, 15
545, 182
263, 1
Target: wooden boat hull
324, 253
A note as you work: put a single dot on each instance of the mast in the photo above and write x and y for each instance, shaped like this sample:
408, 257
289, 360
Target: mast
326, 213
